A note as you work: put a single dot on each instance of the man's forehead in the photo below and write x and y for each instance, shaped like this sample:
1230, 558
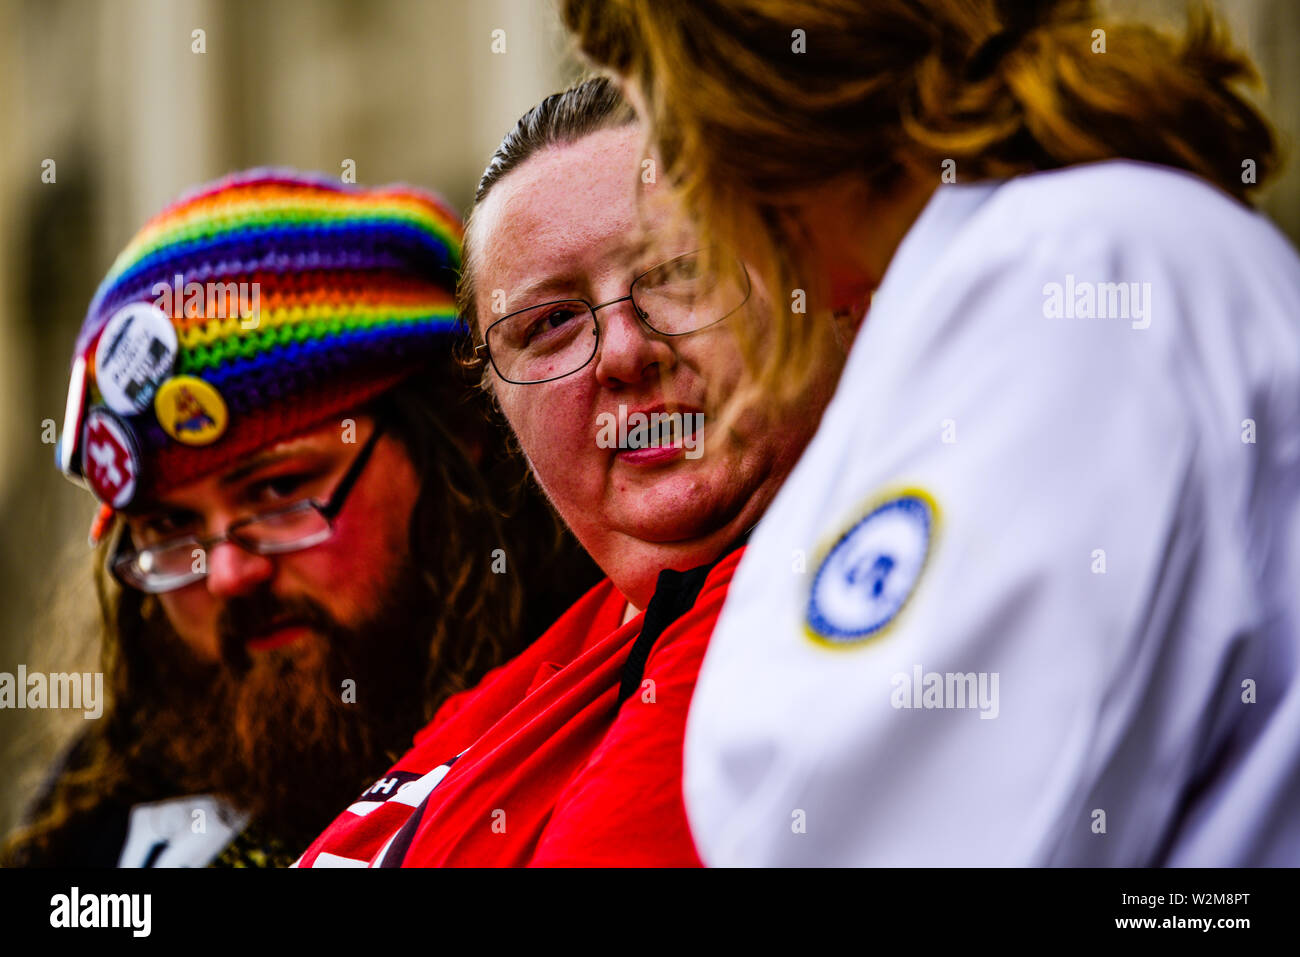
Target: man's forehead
331, 437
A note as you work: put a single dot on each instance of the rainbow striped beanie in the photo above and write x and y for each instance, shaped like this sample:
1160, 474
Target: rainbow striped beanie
251, 310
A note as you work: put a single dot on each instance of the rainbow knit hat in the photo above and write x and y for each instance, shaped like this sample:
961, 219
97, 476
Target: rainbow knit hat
251, 310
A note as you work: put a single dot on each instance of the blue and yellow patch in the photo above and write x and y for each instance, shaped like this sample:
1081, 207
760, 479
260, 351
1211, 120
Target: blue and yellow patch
867, 575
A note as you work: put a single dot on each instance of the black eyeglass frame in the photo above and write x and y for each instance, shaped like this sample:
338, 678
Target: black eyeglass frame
329, 510
641, 314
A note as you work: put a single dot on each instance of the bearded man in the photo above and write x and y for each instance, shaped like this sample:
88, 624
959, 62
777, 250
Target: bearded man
303, 546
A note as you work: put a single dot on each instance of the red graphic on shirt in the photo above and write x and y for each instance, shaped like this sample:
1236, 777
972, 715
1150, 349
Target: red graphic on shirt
109, 463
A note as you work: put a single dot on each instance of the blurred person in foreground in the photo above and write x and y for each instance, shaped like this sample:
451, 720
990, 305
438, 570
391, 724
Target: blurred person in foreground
1051, 519
604, 332
303, 547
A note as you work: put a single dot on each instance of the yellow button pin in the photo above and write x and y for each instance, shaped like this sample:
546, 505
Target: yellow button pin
191, 410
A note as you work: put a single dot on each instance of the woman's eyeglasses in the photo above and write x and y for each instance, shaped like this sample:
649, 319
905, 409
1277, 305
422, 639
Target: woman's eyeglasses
675, 298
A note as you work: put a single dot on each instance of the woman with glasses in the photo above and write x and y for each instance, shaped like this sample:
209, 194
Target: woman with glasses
1052, 516
605, 335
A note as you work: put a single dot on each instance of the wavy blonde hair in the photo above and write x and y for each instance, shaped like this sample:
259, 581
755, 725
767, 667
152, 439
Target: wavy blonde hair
744, 124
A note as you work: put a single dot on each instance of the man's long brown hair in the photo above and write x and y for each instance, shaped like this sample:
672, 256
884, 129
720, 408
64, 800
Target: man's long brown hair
473, 499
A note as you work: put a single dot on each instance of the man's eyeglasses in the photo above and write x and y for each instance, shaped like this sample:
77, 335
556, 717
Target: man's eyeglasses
289, 528
675, 298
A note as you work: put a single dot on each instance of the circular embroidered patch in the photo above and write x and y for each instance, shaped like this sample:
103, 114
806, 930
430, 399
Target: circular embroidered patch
871, 570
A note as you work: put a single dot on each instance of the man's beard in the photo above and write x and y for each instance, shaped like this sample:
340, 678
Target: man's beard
293, 734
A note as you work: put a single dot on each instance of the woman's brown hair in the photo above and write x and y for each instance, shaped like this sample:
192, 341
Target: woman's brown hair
753, 101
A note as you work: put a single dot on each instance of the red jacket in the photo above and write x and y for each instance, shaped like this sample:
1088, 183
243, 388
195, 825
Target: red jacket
540, 764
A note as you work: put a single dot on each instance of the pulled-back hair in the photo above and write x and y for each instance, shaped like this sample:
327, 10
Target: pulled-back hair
744, 120
562, 118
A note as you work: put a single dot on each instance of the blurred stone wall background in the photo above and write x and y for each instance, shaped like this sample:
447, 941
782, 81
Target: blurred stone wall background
113, 92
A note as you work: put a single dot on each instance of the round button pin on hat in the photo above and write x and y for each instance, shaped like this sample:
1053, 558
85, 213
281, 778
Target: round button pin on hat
190, 410
111, 458
67, 451
136, 352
